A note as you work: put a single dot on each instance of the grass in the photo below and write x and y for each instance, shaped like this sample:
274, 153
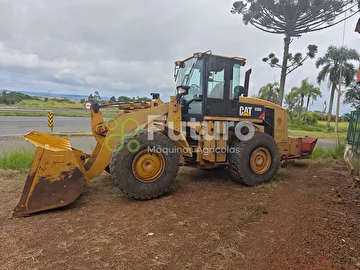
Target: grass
48, 104
17, 160
337, 152
66, 114
89, 133
318, 130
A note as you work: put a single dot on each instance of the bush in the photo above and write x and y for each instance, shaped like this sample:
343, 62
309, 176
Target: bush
308, 119
291, 116
319, 116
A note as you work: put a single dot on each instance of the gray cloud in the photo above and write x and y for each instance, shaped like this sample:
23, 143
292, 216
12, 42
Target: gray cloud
129, 48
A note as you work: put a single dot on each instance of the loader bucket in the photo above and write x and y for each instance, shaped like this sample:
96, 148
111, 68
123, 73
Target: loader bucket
55, 178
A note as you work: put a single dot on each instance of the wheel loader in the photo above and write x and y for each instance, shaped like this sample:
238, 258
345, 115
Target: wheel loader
209, 122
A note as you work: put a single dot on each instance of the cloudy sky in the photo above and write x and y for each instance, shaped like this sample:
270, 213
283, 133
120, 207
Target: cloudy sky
129, 47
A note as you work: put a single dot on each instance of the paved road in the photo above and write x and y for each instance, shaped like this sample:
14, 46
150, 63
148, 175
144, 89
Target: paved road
325, 143
43, 110
16, 125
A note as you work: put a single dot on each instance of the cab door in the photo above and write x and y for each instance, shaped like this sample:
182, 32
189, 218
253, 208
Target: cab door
222, 89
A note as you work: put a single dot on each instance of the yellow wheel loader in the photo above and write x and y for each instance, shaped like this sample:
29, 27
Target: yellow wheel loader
209, 122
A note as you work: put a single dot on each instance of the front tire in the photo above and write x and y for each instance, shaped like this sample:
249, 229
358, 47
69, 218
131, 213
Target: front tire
142, 174
255, 161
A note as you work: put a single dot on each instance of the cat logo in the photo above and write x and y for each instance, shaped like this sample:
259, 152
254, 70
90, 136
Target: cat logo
245, 111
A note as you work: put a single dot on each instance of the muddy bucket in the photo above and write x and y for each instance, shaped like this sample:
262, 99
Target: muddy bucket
55, 178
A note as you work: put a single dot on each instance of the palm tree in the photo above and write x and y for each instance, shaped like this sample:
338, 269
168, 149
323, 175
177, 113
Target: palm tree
269, 92
335, 64
300, 92
291, 99
313, 94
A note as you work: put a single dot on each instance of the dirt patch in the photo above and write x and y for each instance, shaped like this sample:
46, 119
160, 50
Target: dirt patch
309, 218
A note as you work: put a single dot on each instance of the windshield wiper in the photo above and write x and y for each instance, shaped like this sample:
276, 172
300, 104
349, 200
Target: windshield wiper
187, 76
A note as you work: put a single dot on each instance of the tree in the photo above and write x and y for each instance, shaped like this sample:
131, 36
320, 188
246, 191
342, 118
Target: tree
124, 99
294, 61
292, 18
305, 90
299, 94
313, 94
91, 98
97, 97
335, 64
352, 96
140, 99
13, 97
112, 99
296, 97
269, 92
291, 99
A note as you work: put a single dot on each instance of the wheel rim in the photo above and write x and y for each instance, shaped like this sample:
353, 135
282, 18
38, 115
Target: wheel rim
148, 167
260, 160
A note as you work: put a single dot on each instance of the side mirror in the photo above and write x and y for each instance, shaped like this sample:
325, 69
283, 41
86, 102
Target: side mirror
182, 91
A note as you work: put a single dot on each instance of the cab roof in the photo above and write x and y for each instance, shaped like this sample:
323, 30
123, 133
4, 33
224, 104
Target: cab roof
199, 54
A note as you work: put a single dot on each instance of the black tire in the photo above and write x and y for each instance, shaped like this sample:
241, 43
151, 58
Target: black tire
240, 159
121, 167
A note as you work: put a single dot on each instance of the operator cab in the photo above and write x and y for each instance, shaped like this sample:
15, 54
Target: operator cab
209, 85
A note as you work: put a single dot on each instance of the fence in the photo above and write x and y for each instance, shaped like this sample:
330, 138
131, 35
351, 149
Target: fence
353, 134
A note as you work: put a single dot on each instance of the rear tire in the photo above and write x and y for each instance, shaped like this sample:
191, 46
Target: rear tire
255, 161
142, 174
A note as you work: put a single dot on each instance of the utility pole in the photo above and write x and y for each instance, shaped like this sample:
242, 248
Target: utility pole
336, 128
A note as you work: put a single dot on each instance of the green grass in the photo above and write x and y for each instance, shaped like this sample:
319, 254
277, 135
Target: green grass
16, 160
337, 152
89, 133
318, 130
48, 104
66, 114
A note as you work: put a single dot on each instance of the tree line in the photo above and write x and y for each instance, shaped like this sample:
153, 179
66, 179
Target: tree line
13, 97
96, 98
10, 98
336, 68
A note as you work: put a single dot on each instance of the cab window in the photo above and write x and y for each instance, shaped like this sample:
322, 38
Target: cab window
235, 82
216, 80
